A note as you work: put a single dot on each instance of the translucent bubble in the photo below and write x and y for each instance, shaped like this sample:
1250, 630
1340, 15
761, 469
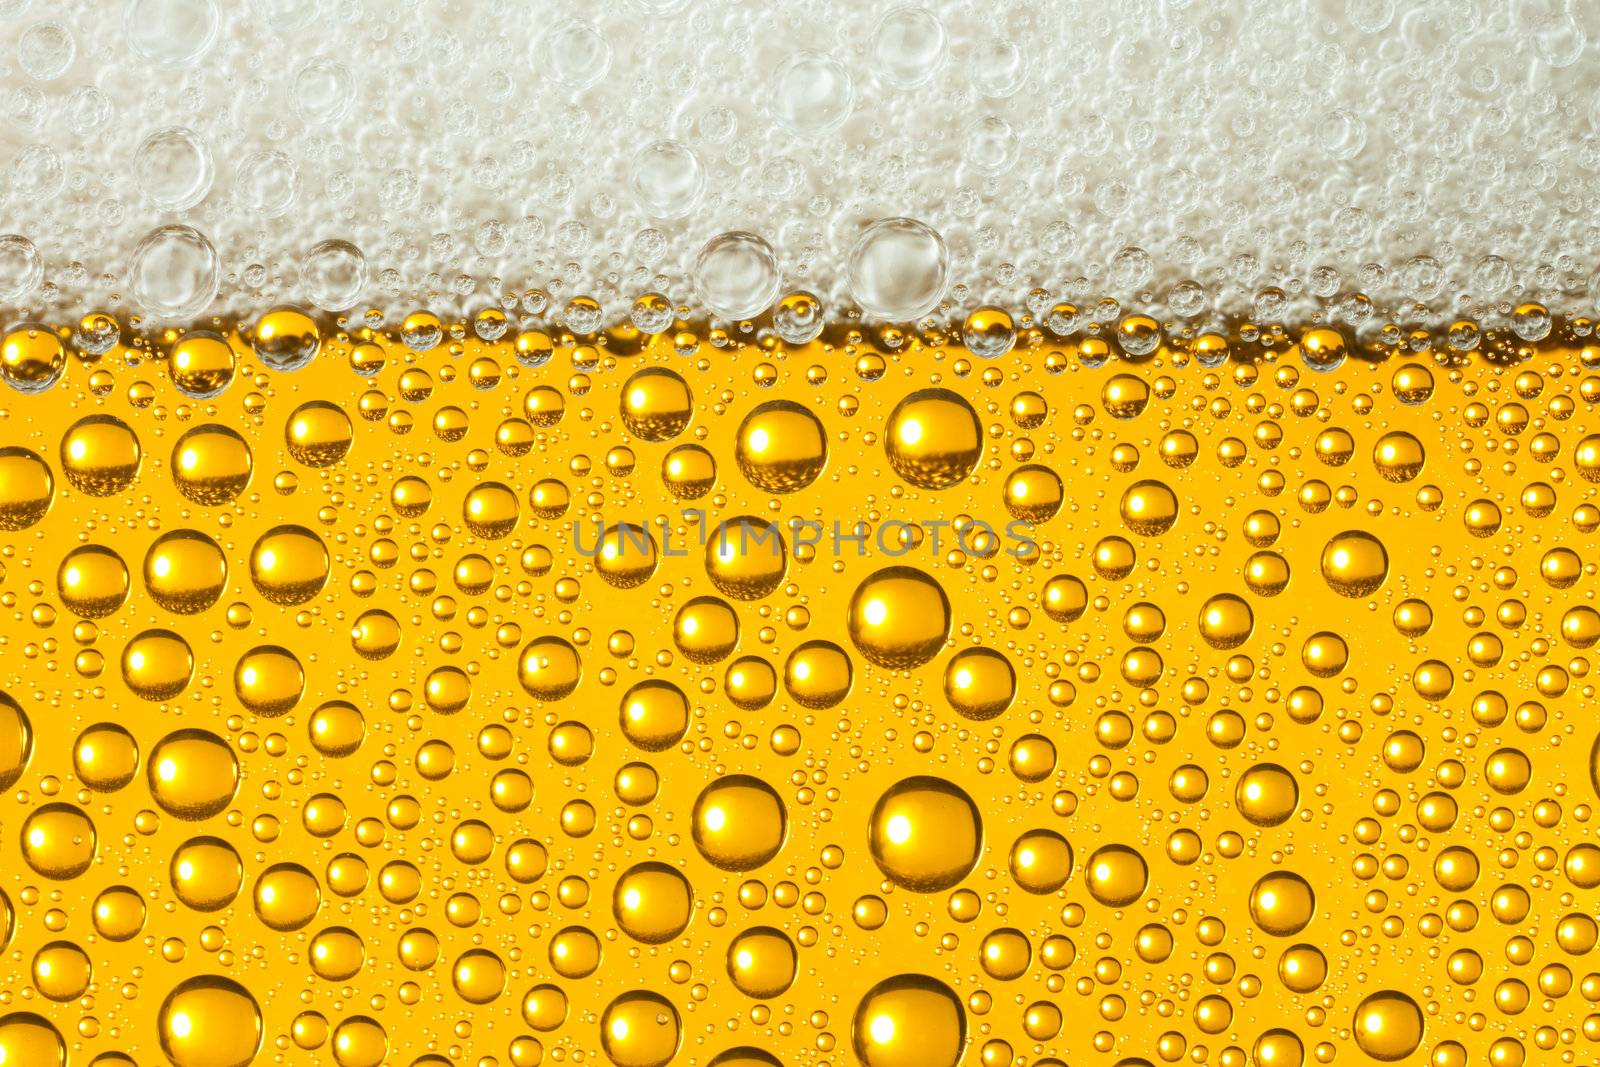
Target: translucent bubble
322, 91
576, 53
997, 65
334, 275
21, 267
172, 168
990, 146
1323, 349
201, 365
798, 318
1131, 268
812, 94
989, 332
37, 173
1370, 16
667, 179
656, 404
1005, 954
174, 272
1040, 861
100, 455
157, 664
206, 873
266, 184
119, 913
652, 902
898, 269
907, 47
92, 581
268, 680
286, 897
736, 275
746, 558
651, 313
96, 334
318, 434
105, 757
1267, 795
1033, 493
193, 774
172, 33
45, 50
1398, 456
1342, 134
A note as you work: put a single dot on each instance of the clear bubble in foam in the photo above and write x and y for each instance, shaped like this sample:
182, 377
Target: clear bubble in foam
172, 168
45, 50
812, 94
576, 54
667, 179
171, 33
334, 275
323, 91
174, 272
21, 267
736, 275
37, 173
898, 269
267, 183
908, 47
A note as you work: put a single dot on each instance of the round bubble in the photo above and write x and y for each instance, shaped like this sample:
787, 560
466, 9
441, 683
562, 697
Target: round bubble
323, 90
174, 272
334, 275
21, 267
172, 168
45, 50
812, 94
667, 179
898, 269
267, 183
908, 47
576, 54
736, 275
172, 33
37, 173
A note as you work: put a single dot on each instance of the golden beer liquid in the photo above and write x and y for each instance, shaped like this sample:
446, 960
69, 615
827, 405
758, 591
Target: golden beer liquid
963, 694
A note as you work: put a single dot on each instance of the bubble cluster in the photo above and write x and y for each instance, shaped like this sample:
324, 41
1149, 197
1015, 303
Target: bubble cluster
1172, 169
438, 690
